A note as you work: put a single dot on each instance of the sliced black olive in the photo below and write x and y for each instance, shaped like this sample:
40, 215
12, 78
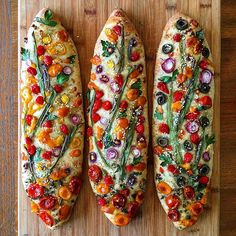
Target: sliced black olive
204, 170
161, 98
205, 52
181, 181
181, 24
162, 141
188, 146
204, 88
133, 42
204, 121
167, 48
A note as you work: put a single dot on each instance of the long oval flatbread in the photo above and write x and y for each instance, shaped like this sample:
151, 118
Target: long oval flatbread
118, 131
52, 120
182, 120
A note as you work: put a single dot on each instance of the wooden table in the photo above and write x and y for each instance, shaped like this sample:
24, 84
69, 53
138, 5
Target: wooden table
8, 117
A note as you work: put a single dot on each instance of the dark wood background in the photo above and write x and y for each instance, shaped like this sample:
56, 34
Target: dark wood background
8, 118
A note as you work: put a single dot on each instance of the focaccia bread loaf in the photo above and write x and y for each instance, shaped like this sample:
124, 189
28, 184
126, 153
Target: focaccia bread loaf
118, 122
183, 120
52, 130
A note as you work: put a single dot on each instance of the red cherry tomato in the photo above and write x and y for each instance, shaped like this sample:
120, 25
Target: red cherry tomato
35, 191
47, 60
89, 131
123, 104
46, 218
133, 209
125, 192
40, 50
117, 29
119, 80
47, 155
129, 168
106, 105
172, 201
95, 173
177, 37
64, 129
194, 138
173, 215
139, 128
58, 88
172, 169
141, 119
164, 128
28, 119
188, 157
192, 115
119, 201
204, 180
31, 150
28, 141
101, 202
39, 100
48, 202
35, 89
75, 185
47, 124
189, 192
135, 56
99, 94
100, 144
32, 71
177, 96
108, 180
163, 87
205, 102
97, 105
96, 117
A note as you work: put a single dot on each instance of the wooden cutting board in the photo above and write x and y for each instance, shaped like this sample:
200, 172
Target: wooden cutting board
84, 20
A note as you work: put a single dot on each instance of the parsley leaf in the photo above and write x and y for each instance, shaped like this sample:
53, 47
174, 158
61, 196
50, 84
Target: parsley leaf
25, 54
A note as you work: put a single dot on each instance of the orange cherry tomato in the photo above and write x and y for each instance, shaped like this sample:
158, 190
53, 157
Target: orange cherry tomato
121, 220
164, 188
141, 101
132, 94
54, 70
64, 212
63, 111
96, 60
103, 188
123, 123
62, 35
64, 193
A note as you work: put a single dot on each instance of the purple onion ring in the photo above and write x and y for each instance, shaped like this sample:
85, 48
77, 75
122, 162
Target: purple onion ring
168, 65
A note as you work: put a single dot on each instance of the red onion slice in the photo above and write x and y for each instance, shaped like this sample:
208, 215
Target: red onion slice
115, 88
75, 119
192, 127
111, 153
56, 151
206, 76
104, 121
67, 70
168, 65
135, 151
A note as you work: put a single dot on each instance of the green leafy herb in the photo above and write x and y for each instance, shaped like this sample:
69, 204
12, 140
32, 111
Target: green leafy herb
200, 34
209, 140
47, 19
105, 46
72, 59
137, 84
158, 115
166, 159
52, 117
137, 160
168, 79
62, 78
25, 54
121, 50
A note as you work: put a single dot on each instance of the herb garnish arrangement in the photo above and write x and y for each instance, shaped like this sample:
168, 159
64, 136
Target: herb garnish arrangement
182, 120
118, 121
52, 120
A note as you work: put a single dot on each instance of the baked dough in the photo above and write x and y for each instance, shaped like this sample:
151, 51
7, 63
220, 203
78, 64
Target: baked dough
52, 120
118, 122
182, 120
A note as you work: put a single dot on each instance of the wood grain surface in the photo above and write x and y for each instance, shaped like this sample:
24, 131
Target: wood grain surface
84, 21
149, 18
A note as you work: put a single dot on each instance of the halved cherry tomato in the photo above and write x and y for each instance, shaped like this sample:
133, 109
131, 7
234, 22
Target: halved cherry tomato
174, 215
163, 87
46, 218
189, 192
106, 105
64, 193
63, 111
35, 191
123, 104
139, 196
119, 201
108, 180
132, 94
141, 101
197, 208
62, 35
133, 208
103, 188
48, 202
164, 188
95, 173
75, 184
54, 70
172, 201
123, 123
121, 220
